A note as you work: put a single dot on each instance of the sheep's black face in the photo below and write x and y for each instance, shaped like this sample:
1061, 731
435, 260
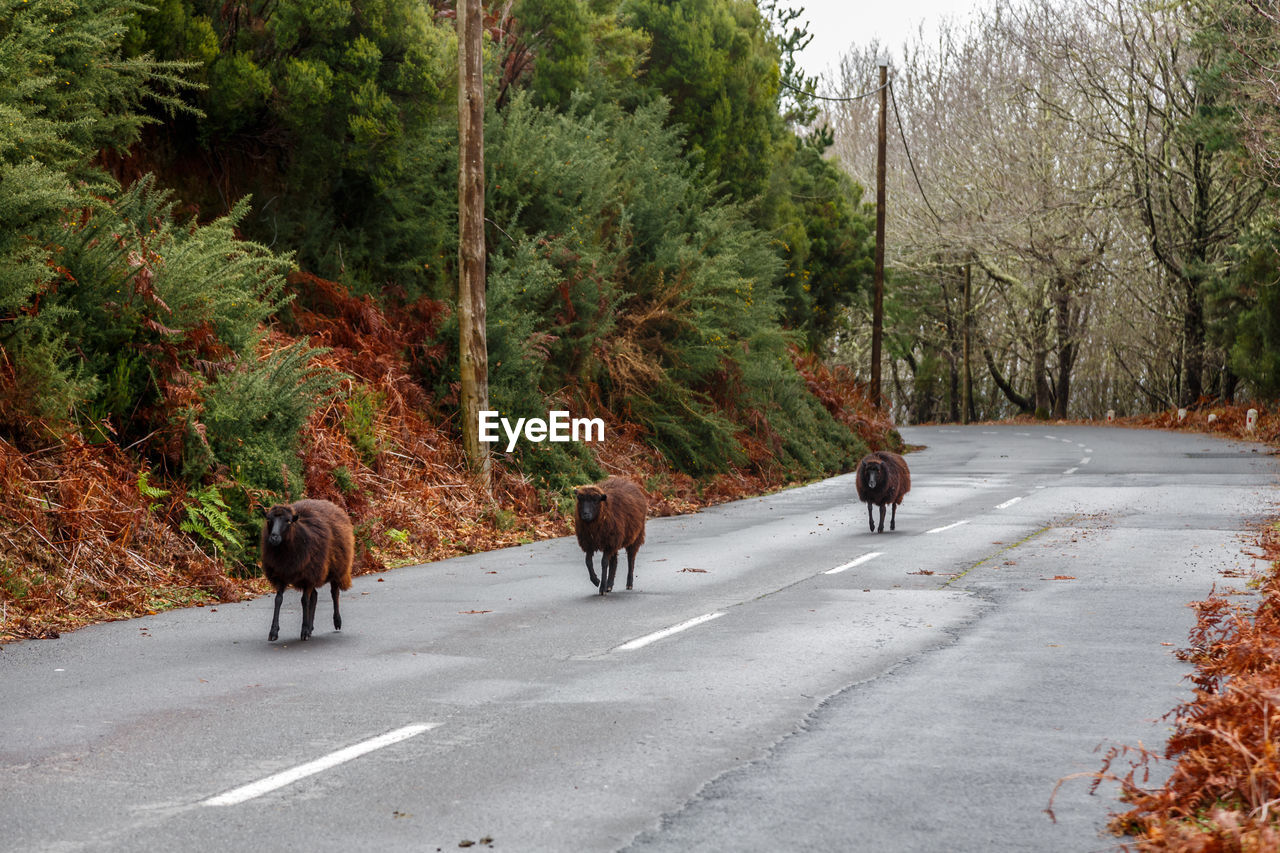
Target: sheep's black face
278, 520
871, 475
589, 506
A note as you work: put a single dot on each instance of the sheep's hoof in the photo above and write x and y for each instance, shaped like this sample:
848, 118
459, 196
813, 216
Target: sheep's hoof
271, 638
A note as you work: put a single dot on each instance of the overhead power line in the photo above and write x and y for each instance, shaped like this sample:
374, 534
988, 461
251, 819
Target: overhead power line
897, 118
910, 161
868, 94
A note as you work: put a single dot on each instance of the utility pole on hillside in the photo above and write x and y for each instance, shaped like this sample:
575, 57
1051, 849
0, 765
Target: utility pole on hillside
473, 348
877, 311
966, 395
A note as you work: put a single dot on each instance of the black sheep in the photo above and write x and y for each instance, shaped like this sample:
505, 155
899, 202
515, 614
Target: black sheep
306, 545
883, 479
610, 516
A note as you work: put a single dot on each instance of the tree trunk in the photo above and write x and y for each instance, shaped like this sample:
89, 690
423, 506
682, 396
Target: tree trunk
953, 372
1066, 348
1193, 342
1040, 366
1230, 381
472, 342
966, 343
1025, 406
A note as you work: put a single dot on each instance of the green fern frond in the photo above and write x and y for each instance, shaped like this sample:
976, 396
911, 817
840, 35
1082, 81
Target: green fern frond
154, 494
208, 519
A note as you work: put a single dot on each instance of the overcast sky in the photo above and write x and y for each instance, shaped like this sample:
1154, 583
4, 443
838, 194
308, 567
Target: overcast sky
835, 24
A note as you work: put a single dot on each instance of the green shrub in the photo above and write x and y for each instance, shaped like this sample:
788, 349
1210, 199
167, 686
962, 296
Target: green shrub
361, 424
251, 418
620, 278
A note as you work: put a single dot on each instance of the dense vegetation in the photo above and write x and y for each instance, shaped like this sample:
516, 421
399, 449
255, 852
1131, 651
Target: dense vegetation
227, 260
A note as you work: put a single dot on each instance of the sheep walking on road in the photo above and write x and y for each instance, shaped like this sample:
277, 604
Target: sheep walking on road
306, 545
883, 479
608, 517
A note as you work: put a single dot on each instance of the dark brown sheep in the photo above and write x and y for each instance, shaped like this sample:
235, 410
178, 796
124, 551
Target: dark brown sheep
883, 479
306, 545
610, 516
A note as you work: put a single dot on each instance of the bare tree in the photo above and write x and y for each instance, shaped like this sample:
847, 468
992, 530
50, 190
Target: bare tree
1055, 146
1132, 69
992, 181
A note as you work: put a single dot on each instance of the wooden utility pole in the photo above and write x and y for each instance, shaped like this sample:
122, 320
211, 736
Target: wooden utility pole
877, 310
473, 348
966, 395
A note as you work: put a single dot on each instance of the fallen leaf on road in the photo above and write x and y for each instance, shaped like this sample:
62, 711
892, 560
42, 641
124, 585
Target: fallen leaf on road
469, 612
921, 572
703, 571
1061, 578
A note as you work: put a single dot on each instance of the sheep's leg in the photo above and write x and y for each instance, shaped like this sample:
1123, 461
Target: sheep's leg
337, 617
613, 570
631, 565
308, 611
881, 530
275, 620
591, 570
893, 516
871, 519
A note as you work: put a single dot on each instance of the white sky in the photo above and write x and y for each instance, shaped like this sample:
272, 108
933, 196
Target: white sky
836, 24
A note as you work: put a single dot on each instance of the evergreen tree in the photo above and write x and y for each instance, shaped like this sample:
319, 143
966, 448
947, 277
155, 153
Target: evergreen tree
714, 61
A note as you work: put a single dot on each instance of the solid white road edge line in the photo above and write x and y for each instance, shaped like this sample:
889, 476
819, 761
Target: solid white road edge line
333, 759
640, 642
855, 562
1008, 503
1071, 470
947, 527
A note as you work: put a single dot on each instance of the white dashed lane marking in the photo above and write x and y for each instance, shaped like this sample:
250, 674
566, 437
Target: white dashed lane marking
855, 562
640, 642
333, 759
947, 526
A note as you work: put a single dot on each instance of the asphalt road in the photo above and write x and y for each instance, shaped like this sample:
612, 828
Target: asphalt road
828, 688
